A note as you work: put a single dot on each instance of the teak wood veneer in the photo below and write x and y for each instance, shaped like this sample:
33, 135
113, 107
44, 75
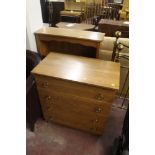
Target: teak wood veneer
86, 38
77, 91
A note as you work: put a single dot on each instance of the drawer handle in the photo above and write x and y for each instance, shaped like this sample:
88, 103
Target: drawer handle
98, 110
100, 97
48, 97
45, 84
96, 120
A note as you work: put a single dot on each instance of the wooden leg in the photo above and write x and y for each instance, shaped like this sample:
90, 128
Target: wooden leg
97, 50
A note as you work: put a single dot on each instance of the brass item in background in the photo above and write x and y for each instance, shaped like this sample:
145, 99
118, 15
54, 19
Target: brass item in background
116, 56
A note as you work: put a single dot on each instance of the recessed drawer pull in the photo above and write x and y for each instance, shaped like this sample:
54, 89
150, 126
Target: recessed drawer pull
98, 110
45, 84
100, 97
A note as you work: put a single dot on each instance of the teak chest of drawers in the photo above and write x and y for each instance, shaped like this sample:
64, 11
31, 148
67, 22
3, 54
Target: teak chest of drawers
77, 91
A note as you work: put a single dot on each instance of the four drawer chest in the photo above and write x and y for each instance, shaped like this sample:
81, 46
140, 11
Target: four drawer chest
76, 91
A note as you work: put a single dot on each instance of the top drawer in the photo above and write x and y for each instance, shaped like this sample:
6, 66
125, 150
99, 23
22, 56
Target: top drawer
74, 88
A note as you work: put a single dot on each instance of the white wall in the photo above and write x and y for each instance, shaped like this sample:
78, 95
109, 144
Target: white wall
33, 22
27, 41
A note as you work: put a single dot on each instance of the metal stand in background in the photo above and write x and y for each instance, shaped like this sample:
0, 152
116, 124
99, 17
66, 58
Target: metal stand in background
118, 35
116, 56
50, 13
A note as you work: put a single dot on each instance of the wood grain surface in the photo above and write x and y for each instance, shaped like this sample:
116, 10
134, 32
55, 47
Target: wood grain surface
71, 33
76, 91
76, 26
80, 69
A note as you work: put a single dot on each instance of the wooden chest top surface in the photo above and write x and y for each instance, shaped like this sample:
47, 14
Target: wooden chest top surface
71, 33
84, 70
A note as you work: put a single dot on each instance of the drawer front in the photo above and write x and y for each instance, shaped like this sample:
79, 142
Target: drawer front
73, 104
91, 124
77, 89
64, 101
74, 112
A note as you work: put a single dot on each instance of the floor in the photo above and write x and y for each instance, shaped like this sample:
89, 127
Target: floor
53, 139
